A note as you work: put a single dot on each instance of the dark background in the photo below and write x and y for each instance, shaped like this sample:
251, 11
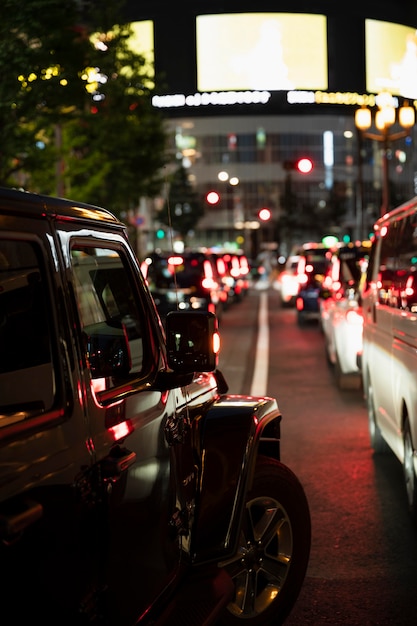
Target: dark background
175, 51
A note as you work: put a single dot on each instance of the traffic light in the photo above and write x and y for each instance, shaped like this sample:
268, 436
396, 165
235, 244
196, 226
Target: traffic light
213, 197
264, 214
304, 165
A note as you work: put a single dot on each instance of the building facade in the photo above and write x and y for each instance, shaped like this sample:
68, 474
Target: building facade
251, 129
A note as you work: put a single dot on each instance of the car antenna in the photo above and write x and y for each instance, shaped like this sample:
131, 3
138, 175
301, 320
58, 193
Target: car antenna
171, 238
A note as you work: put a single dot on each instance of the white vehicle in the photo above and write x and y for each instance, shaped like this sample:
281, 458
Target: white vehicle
287, 281
341, 312
389, 358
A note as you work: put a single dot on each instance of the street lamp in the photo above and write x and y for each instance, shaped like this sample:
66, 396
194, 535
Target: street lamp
384, 119
233, 181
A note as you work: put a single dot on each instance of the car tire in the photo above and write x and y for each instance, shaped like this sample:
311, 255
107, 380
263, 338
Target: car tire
378, 443
271, 560
409, 473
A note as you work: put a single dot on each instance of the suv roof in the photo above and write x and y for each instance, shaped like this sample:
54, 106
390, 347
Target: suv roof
17, 201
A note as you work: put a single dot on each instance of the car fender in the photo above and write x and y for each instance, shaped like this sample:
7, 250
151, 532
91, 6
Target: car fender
234, 431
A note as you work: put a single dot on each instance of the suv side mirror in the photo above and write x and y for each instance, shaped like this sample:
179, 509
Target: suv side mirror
193, 341
107, 349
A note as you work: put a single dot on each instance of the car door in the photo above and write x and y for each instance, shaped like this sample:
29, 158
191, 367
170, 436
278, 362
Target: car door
379, 304
45, 548
140, 438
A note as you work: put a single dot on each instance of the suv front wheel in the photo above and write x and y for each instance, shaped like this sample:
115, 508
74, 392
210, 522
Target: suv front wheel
269, 566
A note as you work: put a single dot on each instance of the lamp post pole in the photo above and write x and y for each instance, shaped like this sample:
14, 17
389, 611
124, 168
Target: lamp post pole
385, 174
385, 117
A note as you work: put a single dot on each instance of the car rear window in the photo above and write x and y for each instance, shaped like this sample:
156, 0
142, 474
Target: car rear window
176, 270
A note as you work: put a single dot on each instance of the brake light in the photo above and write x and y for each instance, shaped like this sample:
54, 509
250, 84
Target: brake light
354, 318
119, 431
235, 269
221, 266
328, 282
175, 260
409, 290
299, 303
209, 283
244, 266
216, 343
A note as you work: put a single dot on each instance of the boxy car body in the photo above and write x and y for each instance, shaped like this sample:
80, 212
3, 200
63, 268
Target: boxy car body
389, 357
133, 488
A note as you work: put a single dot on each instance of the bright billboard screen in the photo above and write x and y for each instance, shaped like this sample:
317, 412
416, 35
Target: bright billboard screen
261, 51
391, 58
142, 42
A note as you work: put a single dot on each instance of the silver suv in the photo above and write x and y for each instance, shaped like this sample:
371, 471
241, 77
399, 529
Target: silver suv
133, 488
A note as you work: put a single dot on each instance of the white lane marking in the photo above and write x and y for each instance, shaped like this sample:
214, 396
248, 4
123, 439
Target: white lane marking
260, 372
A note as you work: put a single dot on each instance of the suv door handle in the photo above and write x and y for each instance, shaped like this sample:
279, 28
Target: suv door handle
20, 515
116, 463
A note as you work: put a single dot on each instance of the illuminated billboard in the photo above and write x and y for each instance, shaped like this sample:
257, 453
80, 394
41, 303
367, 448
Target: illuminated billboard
391, 58
142, 42
261, 51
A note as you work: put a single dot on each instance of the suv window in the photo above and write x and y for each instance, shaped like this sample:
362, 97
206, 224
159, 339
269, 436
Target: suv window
106, 301
397, 275
26, 371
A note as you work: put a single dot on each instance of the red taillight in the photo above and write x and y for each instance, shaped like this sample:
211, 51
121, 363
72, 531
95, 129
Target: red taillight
221, 266
244, 267
216, 343
354, 318
209, 284
121, 430
175, 260
299, 303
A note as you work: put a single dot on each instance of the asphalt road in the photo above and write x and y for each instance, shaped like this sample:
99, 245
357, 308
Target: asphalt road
363, 562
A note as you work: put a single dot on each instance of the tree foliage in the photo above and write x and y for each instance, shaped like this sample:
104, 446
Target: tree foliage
75, 109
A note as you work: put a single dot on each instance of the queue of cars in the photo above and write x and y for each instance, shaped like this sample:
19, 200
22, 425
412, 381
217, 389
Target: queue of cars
196, 280
300, 282
341, 318
368, 316
327, 282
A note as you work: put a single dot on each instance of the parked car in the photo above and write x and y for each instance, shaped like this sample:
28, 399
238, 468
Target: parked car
389, 356
287, 281
312, 266
134, 489
185, 281
341, 317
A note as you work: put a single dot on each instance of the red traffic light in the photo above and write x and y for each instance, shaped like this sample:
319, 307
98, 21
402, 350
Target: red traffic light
264, 214
304, 165
213, 197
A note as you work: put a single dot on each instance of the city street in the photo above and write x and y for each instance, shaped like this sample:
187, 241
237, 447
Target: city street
363, 561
